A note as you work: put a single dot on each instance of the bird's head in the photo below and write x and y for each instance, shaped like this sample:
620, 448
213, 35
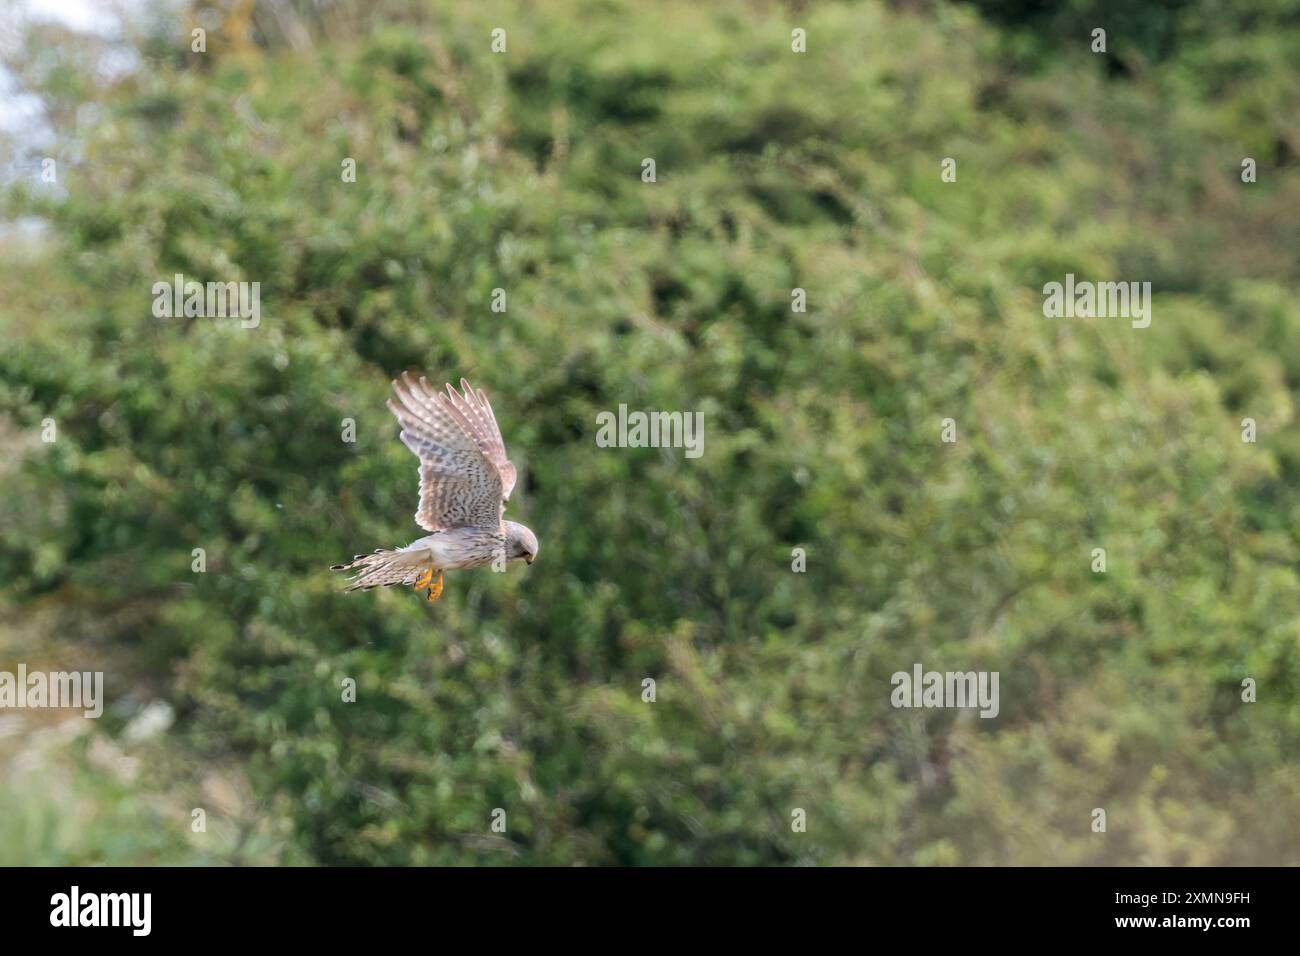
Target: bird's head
520, 542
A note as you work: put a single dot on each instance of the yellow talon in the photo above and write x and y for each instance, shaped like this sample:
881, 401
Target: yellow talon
424, 578
435, 590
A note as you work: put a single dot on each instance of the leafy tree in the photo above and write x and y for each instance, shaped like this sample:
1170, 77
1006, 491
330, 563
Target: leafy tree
776, 170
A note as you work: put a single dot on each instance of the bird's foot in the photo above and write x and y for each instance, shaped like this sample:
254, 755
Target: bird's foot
435, 589
425, 578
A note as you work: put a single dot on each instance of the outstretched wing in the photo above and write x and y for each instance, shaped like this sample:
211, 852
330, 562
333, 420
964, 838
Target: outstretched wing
465, 476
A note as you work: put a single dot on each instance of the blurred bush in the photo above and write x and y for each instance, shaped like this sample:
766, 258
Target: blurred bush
775, 171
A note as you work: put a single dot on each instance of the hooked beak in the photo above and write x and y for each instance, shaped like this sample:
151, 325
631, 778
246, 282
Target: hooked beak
530, 558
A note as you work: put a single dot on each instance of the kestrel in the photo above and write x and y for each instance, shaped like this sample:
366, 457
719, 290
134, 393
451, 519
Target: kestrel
465, 481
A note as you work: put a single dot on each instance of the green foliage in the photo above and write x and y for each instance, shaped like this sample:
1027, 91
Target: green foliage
775, 170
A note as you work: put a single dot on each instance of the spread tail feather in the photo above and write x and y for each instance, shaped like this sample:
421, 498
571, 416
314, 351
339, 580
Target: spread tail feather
384, 569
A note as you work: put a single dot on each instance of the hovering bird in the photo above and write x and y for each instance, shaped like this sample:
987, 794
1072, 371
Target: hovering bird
465, 481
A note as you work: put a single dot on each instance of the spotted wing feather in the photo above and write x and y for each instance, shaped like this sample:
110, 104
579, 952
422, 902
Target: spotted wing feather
464, 474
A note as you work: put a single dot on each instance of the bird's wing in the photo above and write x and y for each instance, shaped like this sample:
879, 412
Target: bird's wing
476, 414
465, 476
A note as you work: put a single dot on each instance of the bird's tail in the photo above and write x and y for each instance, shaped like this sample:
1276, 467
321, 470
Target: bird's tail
384, 569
